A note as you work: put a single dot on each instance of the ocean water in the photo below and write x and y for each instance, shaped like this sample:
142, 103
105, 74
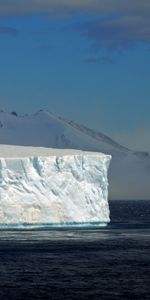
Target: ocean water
111, 262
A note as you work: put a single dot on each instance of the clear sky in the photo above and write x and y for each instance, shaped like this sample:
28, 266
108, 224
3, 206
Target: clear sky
86, 60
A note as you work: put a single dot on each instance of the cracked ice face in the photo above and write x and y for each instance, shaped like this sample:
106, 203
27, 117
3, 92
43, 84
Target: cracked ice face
63, 188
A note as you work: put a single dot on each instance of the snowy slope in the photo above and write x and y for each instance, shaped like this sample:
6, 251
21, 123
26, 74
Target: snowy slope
129, 174
52, 186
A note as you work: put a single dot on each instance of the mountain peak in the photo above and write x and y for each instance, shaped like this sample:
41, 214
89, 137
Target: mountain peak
129, 171
51, 127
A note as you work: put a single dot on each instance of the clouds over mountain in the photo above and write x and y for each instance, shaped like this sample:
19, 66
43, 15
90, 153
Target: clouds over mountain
116, 24
134, 7
119, 32
8, 30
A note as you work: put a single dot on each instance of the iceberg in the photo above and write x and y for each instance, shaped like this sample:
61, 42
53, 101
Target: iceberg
53, 186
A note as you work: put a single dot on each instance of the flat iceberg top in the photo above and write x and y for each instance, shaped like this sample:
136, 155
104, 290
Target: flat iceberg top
9, 151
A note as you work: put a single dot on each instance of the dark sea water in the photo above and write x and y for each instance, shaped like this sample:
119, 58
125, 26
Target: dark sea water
104, 263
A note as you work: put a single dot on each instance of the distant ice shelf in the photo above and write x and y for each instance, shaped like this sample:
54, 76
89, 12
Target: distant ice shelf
50, 187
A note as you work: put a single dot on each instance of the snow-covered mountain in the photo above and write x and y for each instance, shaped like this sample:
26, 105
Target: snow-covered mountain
129, 173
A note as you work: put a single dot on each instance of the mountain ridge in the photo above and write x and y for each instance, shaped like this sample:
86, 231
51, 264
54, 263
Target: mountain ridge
129, 173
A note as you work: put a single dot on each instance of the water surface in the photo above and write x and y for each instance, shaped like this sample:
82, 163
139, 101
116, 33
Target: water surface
101, 263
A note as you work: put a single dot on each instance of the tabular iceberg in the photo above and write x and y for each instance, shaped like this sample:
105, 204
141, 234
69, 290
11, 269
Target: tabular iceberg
50, 186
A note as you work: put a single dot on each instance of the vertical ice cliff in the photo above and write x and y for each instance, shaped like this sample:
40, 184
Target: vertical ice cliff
52, 187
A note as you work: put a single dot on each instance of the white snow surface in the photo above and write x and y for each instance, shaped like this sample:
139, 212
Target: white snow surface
52, 186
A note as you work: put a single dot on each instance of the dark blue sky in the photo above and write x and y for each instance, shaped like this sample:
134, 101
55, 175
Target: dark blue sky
84, 60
